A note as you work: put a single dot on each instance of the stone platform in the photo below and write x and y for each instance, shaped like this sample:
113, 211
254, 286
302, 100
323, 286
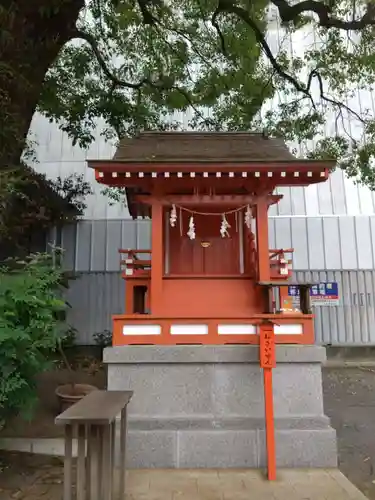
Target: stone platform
202, 406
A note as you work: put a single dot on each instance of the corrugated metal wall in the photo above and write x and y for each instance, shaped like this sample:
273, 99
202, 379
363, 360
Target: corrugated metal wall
324, 243
353, 321
94, 298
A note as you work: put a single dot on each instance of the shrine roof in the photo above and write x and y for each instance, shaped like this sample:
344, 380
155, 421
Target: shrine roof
201, 147
247, 159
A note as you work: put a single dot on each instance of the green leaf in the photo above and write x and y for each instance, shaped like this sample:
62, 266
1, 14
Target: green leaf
30, 298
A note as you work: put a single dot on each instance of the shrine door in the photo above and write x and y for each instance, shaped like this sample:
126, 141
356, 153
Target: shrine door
208, 253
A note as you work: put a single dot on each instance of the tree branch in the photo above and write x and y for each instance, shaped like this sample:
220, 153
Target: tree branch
215, 24
227, 6
326, 20
144, 6
163, 83
341, 105
117, 82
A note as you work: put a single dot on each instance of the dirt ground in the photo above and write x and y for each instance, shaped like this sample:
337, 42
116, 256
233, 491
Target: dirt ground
87, 370
349, 396
30, 477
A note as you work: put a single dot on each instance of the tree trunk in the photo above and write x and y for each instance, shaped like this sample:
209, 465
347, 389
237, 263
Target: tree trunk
32, 32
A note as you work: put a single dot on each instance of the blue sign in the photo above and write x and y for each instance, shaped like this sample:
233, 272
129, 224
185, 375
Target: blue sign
321, 293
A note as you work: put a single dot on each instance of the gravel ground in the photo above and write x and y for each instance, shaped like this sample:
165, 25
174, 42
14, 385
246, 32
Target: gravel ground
349, 397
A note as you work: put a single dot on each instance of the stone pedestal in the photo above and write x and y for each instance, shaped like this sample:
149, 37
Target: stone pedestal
202, 406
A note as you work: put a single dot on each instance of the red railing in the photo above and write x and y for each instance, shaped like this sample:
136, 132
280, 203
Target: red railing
279, 265
134, 266
138, 267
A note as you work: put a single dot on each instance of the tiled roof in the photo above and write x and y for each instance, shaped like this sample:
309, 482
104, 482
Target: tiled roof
202, 147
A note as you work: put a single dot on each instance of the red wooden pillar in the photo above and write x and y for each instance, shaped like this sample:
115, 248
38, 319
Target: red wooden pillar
262, 240
129, 295
156, 257
268, 362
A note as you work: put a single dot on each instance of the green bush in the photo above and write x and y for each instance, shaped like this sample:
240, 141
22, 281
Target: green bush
31, 312
103, 339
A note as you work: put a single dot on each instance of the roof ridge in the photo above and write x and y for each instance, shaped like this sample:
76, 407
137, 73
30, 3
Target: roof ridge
215, 146
202, 133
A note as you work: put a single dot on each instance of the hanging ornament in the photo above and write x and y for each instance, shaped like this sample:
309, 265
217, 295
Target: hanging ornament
191, 232
224, 226
248, 217
173, 216
181, 225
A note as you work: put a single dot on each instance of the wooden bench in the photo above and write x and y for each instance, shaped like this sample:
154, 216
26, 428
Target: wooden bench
94, 420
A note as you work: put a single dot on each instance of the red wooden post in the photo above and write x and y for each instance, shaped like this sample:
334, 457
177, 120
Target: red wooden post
267, 362
156, 257
262, 240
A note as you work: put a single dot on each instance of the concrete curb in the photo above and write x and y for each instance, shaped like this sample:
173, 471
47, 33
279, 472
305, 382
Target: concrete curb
353, 363
38, 446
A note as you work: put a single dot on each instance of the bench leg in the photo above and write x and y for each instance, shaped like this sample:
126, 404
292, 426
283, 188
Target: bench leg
68, 459
88, 463
113, 457
81, 462
122, 455
95, 441
106, 470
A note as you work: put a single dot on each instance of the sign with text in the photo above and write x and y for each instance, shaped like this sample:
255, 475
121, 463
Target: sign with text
267, 347
321, 294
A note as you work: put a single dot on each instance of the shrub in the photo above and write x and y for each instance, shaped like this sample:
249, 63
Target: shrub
103, 339
31, 307
68, 339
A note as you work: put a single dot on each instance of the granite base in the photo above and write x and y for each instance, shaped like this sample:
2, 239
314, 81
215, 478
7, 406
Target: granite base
202, 406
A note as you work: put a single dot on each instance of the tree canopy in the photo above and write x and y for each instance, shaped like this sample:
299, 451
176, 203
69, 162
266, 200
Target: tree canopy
132, 64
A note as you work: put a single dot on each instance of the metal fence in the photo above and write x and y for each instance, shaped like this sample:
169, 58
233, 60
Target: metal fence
352, 322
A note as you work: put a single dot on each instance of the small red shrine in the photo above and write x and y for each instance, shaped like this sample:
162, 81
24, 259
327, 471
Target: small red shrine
209, 276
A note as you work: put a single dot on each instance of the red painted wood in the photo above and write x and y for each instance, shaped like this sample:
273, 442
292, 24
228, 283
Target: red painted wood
203, 282
262, 242
270, 424
267, 346
209, 297
188, 257
259, 166
156, 286
212, 321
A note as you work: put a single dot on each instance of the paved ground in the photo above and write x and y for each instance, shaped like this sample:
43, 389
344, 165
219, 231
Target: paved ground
41, 479
240, 485
349, 401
